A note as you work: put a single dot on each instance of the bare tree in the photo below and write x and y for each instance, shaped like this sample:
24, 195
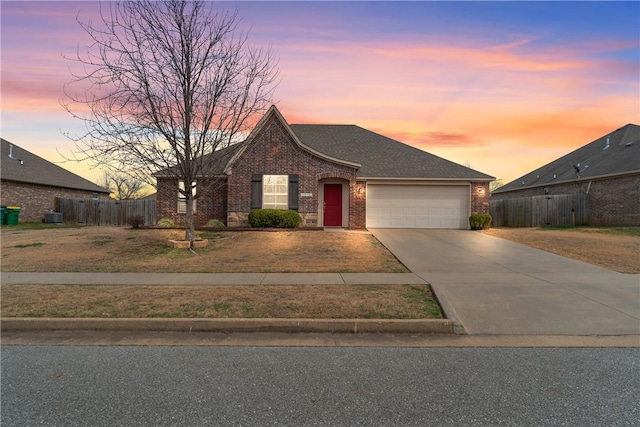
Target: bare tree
494, 185
162, 85
123, 186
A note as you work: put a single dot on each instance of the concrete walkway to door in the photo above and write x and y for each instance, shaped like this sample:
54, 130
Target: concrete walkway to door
494, 286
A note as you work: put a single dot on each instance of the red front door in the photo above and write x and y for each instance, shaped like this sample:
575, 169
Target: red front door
332, 205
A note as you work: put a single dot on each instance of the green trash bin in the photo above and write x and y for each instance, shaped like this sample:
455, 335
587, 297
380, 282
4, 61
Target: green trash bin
3, 215
13, 215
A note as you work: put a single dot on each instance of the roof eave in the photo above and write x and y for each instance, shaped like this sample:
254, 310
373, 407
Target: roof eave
69, 187
567, 181
399, 178
173, 176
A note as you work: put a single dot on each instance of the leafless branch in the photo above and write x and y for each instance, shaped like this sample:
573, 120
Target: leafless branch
163, 84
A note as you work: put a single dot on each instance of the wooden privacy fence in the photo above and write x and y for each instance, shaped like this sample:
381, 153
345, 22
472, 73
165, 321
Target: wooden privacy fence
536, 211
106, 212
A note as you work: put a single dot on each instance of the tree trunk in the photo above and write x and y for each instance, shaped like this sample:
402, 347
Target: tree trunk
189, 223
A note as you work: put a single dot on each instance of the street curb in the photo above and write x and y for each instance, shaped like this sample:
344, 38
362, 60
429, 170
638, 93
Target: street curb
447, 308
424, 326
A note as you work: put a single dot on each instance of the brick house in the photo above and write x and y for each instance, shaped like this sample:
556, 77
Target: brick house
333, 176
33, 183
606, 170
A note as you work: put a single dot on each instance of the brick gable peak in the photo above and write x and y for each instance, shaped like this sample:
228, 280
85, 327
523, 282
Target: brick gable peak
274, 113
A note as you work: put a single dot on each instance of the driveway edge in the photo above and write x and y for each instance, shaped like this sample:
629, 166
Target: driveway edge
428, 326
447, 308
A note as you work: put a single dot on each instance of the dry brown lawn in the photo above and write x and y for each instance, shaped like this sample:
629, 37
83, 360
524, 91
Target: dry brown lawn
112, 249
604, 247
310, 301
116, 249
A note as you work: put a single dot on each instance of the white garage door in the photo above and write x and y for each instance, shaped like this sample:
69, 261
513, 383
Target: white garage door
417, 206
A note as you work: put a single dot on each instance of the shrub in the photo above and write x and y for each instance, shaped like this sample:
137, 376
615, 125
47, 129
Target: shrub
166, 223
214, 223
478, 221
136, 221
277, 218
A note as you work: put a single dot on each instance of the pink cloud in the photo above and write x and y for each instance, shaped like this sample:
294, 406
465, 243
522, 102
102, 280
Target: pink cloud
448, 139
489, 57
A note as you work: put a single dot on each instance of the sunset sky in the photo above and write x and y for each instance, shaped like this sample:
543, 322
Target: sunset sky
502, 87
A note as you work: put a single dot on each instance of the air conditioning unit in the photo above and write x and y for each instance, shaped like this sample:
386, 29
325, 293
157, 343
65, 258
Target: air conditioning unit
53, 217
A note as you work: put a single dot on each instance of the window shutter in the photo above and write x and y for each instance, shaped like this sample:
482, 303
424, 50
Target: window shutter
293, 192
256, 191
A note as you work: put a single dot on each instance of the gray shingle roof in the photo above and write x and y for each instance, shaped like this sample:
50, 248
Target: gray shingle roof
380, 156
375, 155
620, 156
28, 168
220, 159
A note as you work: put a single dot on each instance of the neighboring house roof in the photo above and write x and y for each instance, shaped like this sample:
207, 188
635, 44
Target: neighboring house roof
380, 156
20, 165
616, 153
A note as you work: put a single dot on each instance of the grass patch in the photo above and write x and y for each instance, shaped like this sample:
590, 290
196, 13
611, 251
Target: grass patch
102, 240
211, 235
423, 295
621, 231
30, 245
308, 301
617, 231
561, 228
33, 225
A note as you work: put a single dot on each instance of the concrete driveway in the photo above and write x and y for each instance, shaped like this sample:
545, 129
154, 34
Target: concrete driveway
494, 286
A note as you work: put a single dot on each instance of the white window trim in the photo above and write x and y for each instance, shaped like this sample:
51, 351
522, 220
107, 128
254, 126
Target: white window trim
182, 203
266, 180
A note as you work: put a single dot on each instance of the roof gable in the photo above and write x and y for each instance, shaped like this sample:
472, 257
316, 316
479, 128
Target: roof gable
20, 165
380, 156
274, 113
616, 153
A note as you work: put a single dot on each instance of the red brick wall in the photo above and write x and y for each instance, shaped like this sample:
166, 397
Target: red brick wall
211, 202
274, 152
615, 201
612, 201
358, 205
35, 200
480, 197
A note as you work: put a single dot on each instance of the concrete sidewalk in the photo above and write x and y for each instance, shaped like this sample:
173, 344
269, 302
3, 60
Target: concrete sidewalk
208, 279
494, 286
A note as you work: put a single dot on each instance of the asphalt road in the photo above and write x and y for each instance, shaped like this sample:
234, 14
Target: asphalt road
268, 386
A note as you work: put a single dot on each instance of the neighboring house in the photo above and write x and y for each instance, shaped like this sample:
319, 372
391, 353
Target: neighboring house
33, 183
334, 176
606, 170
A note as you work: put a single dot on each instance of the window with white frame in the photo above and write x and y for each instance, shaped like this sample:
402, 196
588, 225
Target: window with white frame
275, 191
182, 200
